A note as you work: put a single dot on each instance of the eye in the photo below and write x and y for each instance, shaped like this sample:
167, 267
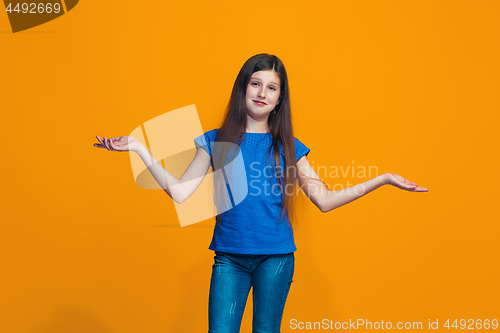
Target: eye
254, 83
273, 88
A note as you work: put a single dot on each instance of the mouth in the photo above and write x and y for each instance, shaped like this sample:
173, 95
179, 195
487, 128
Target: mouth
260, 103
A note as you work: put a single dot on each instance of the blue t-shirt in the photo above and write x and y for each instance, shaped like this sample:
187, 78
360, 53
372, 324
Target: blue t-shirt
253, 225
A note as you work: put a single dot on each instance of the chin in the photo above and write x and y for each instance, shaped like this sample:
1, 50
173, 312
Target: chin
258, 113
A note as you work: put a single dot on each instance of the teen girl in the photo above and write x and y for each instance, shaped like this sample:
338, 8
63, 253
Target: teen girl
253, 240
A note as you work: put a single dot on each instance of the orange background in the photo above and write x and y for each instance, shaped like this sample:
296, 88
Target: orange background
411, 87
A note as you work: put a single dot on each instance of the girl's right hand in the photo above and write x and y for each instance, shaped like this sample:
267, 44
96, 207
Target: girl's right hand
120, 143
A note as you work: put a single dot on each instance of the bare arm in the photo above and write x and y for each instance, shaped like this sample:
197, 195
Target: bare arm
327, 200
190, 180
178, 189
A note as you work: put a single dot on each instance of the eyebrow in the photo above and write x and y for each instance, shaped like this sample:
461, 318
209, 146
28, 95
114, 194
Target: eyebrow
261, 80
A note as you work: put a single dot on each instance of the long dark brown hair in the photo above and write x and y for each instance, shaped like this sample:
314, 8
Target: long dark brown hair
233, 127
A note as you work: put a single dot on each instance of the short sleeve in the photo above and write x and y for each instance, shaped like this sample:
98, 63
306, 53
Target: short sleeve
300, 149
206, 140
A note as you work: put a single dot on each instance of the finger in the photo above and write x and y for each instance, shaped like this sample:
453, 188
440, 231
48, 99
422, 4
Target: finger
420, 189
106, 143
112, 145
407, 182
100, 140
109, 144
407, 187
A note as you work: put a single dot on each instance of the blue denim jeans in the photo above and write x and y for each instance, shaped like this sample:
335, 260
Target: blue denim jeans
233, 275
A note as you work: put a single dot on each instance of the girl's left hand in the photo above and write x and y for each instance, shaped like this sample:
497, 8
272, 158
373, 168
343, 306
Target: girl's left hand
402, 183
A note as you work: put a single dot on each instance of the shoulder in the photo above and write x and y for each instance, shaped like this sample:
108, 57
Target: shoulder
297, 142
209, 136
215, 130
300, 149
212, 133
206, 138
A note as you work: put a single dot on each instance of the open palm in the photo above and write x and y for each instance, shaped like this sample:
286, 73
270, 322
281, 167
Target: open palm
120, 143
404, 184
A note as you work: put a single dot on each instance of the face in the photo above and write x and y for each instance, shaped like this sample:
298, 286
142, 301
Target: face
263, 92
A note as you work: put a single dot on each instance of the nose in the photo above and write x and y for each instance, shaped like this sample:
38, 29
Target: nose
261, 93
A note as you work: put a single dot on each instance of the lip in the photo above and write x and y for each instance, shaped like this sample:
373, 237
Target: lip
260, 103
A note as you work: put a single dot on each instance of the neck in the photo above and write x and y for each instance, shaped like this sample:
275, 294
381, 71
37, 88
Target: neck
257, 125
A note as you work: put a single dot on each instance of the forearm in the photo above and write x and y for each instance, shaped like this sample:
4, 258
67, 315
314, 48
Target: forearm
334, 199
162, 176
